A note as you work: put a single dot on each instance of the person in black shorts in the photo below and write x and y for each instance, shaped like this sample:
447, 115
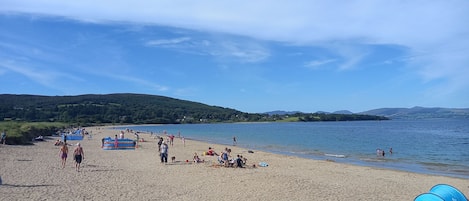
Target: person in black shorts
78, 155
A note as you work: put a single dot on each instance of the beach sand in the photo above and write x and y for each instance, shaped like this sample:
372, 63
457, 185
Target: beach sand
34, 173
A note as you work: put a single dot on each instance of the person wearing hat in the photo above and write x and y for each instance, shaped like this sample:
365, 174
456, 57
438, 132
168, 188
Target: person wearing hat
164, 152
78, 155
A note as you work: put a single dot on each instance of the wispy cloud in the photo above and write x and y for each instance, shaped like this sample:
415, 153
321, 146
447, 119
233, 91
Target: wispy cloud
167, 42
48, 78
244, 51
138, 81
228, 48
316, 64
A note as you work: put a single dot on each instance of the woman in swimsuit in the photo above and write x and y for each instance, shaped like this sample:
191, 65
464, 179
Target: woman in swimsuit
63, 154
79, 155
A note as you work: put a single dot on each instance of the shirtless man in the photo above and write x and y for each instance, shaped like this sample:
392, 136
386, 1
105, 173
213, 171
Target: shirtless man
78, 155
63, 154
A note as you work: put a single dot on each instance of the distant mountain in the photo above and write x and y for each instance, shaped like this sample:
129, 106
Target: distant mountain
420, 112
342, 112
398, 113
322, 112
280, 112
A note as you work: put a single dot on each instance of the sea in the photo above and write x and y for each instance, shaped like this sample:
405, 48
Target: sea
430, 146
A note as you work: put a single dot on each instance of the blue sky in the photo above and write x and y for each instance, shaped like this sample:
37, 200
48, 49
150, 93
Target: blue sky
251, 56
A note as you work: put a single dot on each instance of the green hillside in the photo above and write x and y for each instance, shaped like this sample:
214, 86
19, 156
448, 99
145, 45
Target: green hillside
114, 108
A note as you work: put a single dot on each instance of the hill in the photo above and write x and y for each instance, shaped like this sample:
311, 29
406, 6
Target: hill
419, 112
114, 108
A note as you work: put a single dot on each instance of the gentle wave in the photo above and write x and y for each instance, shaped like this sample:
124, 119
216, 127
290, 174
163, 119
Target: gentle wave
336, 155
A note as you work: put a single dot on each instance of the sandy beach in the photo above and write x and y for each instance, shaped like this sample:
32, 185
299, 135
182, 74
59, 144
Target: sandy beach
35, 173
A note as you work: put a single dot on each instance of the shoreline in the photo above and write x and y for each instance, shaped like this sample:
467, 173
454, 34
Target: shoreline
33, 173
416, 165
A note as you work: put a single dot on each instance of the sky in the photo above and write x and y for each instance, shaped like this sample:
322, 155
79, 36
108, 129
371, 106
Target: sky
252, 56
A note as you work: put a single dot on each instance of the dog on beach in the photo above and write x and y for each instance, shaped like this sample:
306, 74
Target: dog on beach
173, 158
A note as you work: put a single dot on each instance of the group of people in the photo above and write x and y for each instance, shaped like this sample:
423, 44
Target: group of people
78, 155
381, 152
228, 161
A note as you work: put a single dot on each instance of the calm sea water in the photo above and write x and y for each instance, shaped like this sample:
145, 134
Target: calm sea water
432, 146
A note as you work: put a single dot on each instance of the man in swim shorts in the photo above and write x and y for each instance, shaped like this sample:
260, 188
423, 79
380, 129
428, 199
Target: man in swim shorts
78, 155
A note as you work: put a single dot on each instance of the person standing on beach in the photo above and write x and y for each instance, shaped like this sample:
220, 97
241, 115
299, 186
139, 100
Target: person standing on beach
4, 137
234, 141
164, 152
160, 142
116, 142
171, 139
78, 155
63, 154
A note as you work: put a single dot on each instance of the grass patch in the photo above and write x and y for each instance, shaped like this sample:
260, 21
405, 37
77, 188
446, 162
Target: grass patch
289, 119
22, 133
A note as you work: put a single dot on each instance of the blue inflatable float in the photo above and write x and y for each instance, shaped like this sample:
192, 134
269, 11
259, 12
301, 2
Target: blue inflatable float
442, 192
126, 144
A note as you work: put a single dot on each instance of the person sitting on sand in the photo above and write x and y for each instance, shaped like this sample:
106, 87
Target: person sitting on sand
239, 162
58, 142
243, 159
197, 159
211, 152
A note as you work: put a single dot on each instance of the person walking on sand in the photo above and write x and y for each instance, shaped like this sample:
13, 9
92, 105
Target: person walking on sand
164, 152
63, 154
78, 155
